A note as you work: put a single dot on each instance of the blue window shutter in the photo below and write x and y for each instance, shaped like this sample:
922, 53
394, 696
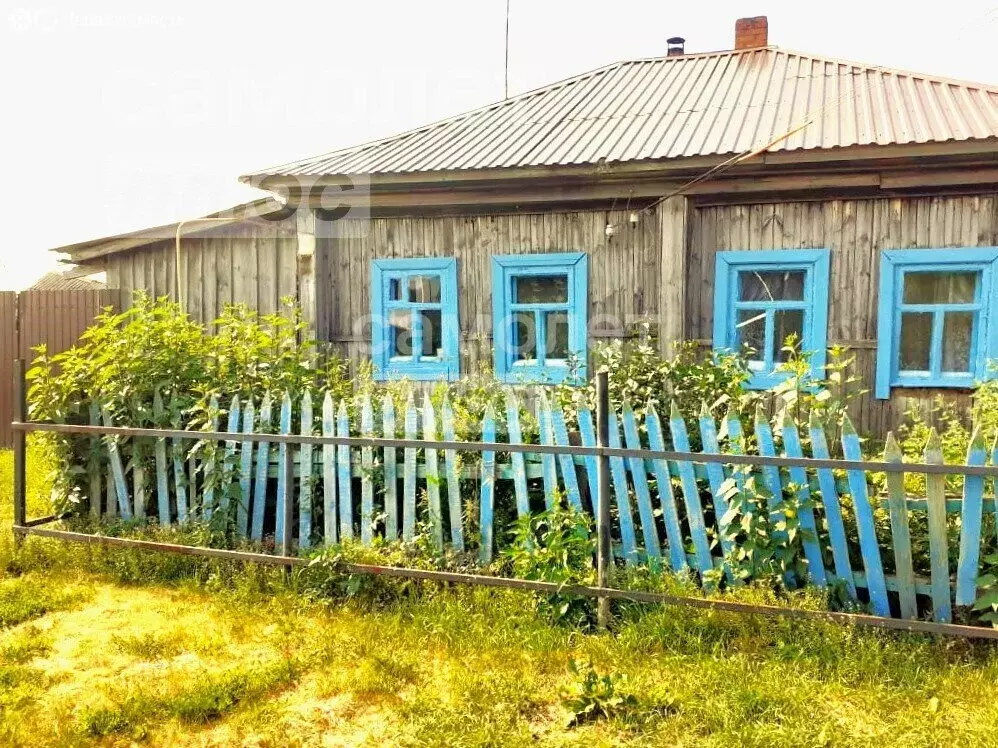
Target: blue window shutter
894, 264
815, 263
445, 367
575, 267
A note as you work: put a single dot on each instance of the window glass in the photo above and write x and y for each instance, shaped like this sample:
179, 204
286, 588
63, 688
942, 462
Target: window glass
424, 289
540, 289
939, 288
751, 329
524, 336
400, 333
556, 333
786, 322
958, 331
433, 339
916, 341
771, 285
395, 289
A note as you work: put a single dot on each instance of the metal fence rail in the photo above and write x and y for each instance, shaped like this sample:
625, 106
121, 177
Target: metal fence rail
671, 505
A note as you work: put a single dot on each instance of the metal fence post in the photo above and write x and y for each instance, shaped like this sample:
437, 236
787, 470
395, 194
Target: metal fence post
20, 452
603, 557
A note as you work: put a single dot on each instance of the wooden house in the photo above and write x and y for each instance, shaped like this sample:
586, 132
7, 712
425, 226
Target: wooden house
728, 197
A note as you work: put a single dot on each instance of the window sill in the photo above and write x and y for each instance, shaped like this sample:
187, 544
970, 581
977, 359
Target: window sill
539, 375
417, 374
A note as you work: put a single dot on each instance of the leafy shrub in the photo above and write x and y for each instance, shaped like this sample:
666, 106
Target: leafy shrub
640, 375
801, 395
556, 546
766, 535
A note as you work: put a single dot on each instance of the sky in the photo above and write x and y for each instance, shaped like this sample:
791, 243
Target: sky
117, 118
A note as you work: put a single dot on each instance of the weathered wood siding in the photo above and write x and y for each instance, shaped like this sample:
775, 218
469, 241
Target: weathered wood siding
855, 231
624, 269
252, 263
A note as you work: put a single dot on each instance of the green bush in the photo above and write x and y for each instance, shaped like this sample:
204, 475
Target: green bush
556, 546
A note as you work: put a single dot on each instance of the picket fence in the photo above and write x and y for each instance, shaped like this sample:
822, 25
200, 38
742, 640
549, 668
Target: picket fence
671, 529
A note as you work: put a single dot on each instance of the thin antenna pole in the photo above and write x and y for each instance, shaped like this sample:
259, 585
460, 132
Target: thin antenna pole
505, 91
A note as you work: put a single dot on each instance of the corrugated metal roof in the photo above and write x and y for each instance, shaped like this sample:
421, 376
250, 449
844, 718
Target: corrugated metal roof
52, 281
674, 107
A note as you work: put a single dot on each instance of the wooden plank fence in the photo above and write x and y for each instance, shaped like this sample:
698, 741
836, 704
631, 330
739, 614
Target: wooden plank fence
30, 318
667, 513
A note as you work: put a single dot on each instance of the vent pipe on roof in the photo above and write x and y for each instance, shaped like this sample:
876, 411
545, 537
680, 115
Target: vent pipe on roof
676, 45
751, 32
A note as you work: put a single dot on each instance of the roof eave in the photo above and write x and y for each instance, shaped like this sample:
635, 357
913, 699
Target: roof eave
674, 166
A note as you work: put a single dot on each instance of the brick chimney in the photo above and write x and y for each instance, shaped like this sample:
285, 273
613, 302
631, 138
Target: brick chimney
751, 32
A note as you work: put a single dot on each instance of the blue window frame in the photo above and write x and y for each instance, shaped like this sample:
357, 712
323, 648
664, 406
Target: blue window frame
762, 297
414, 326
539, 315
934, 319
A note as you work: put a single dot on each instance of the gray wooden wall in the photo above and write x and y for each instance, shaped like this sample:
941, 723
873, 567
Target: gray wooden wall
855, 231
624, 270
256, 263
250, 263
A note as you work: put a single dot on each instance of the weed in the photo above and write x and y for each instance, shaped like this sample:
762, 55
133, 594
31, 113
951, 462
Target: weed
594, 696
30, 596
148, 646
24, 644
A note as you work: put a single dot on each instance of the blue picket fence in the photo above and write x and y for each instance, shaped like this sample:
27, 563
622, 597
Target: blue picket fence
668, 514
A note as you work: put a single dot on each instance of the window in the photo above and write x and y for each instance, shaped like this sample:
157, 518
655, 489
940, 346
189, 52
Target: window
539, 315
760, 298
933, 327
414, 310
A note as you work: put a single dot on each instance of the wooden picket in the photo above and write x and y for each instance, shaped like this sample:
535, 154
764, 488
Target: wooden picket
649, 532
663, 479
245, 471
453, 481
870, 551
329, 512
409, 474
798, 479
488, 482
391, 469
366, 477
970, 525
833, 511
432, 466
935, 499
516, 458
904, 569
305, 476
565, 461
547, 459
691, 493
344, 476
618, 480
262, 463
283, 479
665, 494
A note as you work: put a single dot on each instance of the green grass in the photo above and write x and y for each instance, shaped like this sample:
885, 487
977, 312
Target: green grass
110, 647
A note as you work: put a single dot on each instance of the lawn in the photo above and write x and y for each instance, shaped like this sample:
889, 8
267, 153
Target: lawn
101, 647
